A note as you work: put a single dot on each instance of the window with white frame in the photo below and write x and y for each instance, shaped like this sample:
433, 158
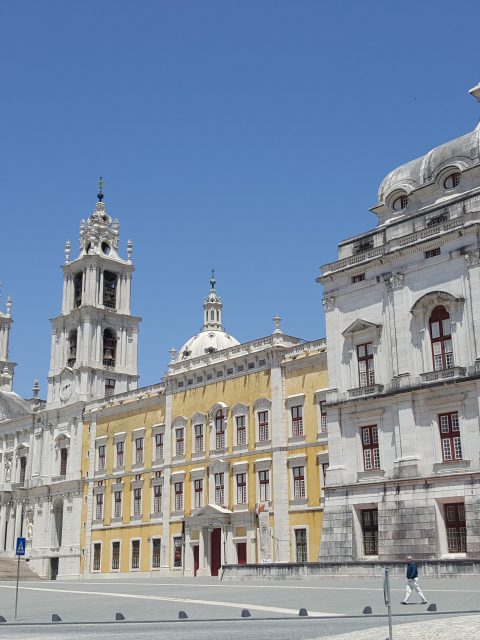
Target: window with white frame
263, 426
178, 487
241, 428
157, 498
99, 506
137, 501
441, 338
219, 429
158, 446
323, 416
220, 488
370, 446
450, 436
180, 441
366, 367
301, 545
120, 453
264, 485
101, 457
241, 479
139, 450
198, 490
297, 420
199, 438
298, 482
117, 504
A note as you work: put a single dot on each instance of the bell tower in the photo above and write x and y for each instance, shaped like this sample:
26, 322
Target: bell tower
94, 339
6, 367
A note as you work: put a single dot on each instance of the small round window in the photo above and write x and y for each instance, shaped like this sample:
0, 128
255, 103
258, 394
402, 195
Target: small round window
400, 203
452, 180
105, 248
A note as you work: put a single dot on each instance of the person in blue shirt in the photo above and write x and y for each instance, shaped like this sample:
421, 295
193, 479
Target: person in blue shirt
412, 581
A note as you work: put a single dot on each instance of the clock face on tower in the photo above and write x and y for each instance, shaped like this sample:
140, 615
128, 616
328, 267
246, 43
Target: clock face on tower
66, 387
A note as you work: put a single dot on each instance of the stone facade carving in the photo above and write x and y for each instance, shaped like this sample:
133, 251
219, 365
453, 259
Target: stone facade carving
473, 257
328, 303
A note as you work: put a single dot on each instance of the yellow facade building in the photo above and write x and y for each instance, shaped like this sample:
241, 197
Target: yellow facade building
223, 462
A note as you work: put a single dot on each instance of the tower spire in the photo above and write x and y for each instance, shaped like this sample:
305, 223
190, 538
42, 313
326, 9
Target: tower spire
212, 307
101, 182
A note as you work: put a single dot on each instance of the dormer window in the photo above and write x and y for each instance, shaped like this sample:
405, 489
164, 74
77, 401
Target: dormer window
366, 244
400, 203
452, 181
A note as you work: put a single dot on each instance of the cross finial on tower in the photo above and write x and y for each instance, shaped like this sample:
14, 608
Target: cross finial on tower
101, 182
213, 282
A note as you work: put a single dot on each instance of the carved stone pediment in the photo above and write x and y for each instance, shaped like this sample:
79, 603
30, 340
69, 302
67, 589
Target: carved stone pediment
13, 406
361, 325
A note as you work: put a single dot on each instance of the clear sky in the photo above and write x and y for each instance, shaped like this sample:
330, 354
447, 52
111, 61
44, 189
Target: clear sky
250, 136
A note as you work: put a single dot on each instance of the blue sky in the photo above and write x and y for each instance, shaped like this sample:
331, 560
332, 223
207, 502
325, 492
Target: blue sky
250, 136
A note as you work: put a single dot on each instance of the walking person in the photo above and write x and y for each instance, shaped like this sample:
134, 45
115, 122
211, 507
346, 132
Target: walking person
412, 581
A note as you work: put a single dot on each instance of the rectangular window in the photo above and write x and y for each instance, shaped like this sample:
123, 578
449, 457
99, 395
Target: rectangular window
101, 457
156, 553
370, 531
97, 551
109, 387
178, 496
157, 498
371, 451
441, 336
63, 461
366, 244
241, 429
198, 487
366, 369
139, 450
137, 502
324, 473
301, 545
115, 556
177, 552
220, 433
99, 506
219, 488
135, 554
323, 416
198, 438
297, 421
120, 453
159, 446
241, 488
264, 483
450, 436
179, 442
456, 527
358, 278
117, 504
298, 482
263, 431
432, 252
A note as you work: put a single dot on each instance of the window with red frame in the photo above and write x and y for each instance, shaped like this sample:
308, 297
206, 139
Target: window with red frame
219, 488
371, 451
369, 522
63, 461
120, 452
241, 488
450, 436
219, 430
101, 457
456, 527
179, 442
323, 416
263, 431
297, 421
157, 498
198, 428
198, 485
117, 505
139, 450
298, 482
264, 483
137, 502
241, 430
441, 337
99, 506
158, 446
178, 496
366, 368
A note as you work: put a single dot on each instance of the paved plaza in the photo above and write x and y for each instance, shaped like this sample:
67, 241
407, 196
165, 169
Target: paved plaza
150, 606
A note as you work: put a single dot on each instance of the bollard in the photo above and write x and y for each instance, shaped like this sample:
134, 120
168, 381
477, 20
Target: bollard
246, 613
182, 615
367, 610
388, 604
119, 616
56, 617
432, 607
303, 612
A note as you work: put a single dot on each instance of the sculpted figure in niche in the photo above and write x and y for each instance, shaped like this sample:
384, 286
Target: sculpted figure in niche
29, 522
8, 470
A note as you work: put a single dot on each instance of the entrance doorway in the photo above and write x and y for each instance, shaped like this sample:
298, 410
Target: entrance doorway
195, 560
216, 551
242, 553
53, 568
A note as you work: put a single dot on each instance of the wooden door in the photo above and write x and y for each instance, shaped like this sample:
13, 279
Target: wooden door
242, 553
195, 559
216, 552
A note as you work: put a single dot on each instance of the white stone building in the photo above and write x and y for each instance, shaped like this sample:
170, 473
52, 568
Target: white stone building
403, 342
93, 354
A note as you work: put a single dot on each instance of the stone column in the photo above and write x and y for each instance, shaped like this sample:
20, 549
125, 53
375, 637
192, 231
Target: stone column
3, 520
167, 472
188, 562
202, 547
18, 521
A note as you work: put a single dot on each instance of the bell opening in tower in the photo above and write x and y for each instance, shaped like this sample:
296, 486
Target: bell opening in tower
109, 347
72, 353
109, 290
77, 289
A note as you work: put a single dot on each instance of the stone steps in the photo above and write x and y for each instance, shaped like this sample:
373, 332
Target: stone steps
8, 570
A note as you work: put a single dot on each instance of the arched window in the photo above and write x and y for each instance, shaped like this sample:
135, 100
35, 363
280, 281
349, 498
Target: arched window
72, 353
109, 347
441, 336
77, 289
219, 430
109, 289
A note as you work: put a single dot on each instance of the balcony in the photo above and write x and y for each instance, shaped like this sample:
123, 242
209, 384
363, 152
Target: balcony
371, 390
443, 374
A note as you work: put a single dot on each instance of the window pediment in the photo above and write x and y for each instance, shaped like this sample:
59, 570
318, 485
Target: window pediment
361, 325
434, 298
